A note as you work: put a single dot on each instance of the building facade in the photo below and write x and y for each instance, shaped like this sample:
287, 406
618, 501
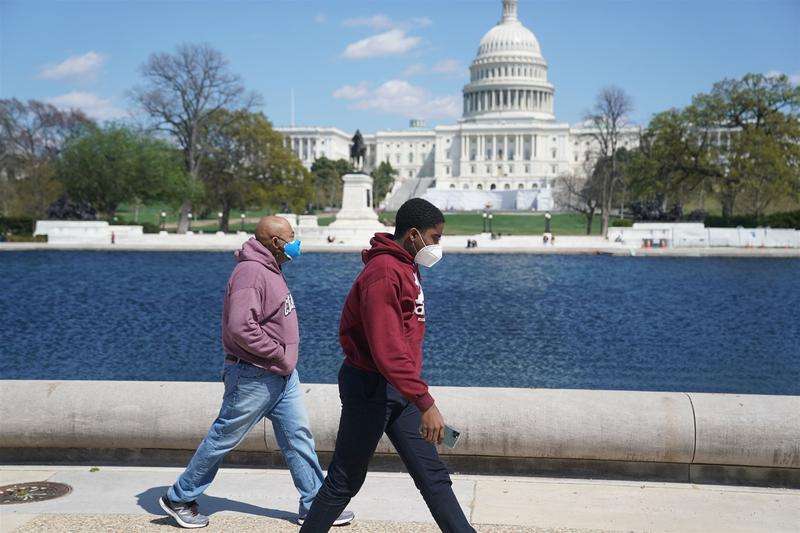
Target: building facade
506, 151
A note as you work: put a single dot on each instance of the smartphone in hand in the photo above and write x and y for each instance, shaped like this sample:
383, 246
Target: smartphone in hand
450, 437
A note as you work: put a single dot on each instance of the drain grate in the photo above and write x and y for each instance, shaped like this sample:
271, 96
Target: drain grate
32, 492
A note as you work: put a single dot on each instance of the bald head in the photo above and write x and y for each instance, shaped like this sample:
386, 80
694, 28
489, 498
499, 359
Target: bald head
269, 227
273, 232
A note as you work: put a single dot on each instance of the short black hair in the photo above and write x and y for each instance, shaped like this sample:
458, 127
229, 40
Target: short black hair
416, 213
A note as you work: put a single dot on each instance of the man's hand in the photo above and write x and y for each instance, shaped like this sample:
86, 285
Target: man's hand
432, 428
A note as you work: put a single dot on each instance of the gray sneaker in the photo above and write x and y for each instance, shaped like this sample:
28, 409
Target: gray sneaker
185, 514
345, 518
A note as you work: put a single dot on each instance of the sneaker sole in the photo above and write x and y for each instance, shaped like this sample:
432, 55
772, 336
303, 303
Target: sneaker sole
344, 522
336, 522
174, 515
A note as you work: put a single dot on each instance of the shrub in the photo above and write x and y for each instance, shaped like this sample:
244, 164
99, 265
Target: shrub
17, 225
622, 222
784, 220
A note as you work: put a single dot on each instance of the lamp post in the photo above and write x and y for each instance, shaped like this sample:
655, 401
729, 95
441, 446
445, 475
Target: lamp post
219, 220
491, 216
163, 221
242, 224
189, 217
484, 221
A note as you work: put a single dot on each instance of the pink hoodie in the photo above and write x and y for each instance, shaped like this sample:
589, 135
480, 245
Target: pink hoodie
259, 321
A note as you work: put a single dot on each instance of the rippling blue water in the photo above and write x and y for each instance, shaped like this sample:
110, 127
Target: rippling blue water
727, 325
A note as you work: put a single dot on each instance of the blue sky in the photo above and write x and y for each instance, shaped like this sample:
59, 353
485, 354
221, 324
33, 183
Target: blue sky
661, 52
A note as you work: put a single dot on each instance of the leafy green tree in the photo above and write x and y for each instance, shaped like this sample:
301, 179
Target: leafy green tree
246, 163
677, 159
766, 166
115, 164
761, 116
383, 179
327, 178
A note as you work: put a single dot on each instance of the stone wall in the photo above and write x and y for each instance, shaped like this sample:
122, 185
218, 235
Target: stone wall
722, 430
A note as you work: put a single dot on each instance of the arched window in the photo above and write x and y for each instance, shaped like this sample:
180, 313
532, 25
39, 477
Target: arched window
465, 186
480, 187
521, 186
507, 186
452, 185
492, 186
534, 185
554, 152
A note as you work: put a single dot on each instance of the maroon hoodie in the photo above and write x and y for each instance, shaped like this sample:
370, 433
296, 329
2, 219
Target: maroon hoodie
383, 320
259, 321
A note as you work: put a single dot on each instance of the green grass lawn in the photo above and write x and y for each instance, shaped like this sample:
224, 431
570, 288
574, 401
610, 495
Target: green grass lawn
512, 223
456, 223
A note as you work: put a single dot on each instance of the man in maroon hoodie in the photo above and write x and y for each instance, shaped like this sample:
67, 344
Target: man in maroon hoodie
381, 333
261, 339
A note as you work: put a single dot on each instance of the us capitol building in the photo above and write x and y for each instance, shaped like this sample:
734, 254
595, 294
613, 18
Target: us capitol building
507, 150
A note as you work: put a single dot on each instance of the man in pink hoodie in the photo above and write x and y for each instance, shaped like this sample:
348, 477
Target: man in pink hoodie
260, 337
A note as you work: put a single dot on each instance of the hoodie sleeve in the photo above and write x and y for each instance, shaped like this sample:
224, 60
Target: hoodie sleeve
244, 326
383, 328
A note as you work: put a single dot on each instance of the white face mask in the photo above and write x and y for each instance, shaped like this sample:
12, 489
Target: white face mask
428, 255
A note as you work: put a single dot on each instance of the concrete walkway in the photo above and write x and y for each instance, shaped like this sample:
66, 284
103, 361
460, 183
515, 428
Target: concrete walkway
124, 499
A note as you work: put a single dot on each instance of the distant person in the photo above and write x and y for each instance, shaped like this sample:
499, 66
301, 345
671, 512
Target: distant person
261, 339
381, 333
548, 233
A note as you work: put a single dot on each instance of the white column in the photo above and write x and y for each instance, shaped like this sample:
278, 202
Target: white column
505, 147
494, 147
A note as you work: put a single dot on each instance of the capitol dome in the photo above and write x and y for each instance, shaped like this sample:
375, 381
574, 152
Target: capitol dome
508, 77
509, 36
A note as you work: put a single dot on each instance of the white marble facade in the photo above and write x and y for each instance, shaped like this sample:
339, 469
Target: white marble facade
508, 138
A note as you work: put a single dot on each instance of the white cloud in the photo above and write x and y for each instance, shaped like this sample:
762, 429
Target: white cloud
376, 22
794, 79
414, 70
399, 97
91, 104
447, 66
86, 65
320, 18
352, 92
392, 42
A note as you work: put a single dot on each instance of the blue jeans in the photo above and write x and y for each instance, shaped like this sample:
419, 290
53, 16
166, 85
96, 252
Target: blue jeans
252, 393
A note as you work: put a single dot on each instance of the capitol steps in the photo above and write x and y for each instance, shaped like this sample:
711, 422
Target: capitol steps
411, 188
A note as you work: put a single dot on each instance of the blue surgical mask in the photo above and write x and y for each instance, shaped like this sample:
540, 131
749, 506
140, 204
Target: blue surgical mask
292, 249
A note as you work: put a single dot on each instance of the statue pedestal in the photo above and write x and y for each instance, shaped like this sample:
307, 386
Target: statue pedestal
357, 211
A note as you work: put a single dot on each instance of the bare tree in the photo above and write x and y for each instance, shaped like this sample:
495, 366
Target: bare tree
608, 119
182, 90
580, 193
32, 134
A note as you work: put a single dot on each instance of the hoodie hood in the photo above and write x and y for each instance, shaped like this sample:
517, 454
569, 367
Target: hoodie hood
253, 250
384, 243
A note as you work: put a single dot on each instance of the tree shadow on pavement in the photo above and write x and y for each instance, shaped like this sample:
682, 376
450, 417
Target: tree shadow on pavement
209, 505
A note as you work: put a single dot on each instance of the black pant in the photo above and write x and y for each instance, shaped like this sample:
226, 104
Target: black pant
371, 406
